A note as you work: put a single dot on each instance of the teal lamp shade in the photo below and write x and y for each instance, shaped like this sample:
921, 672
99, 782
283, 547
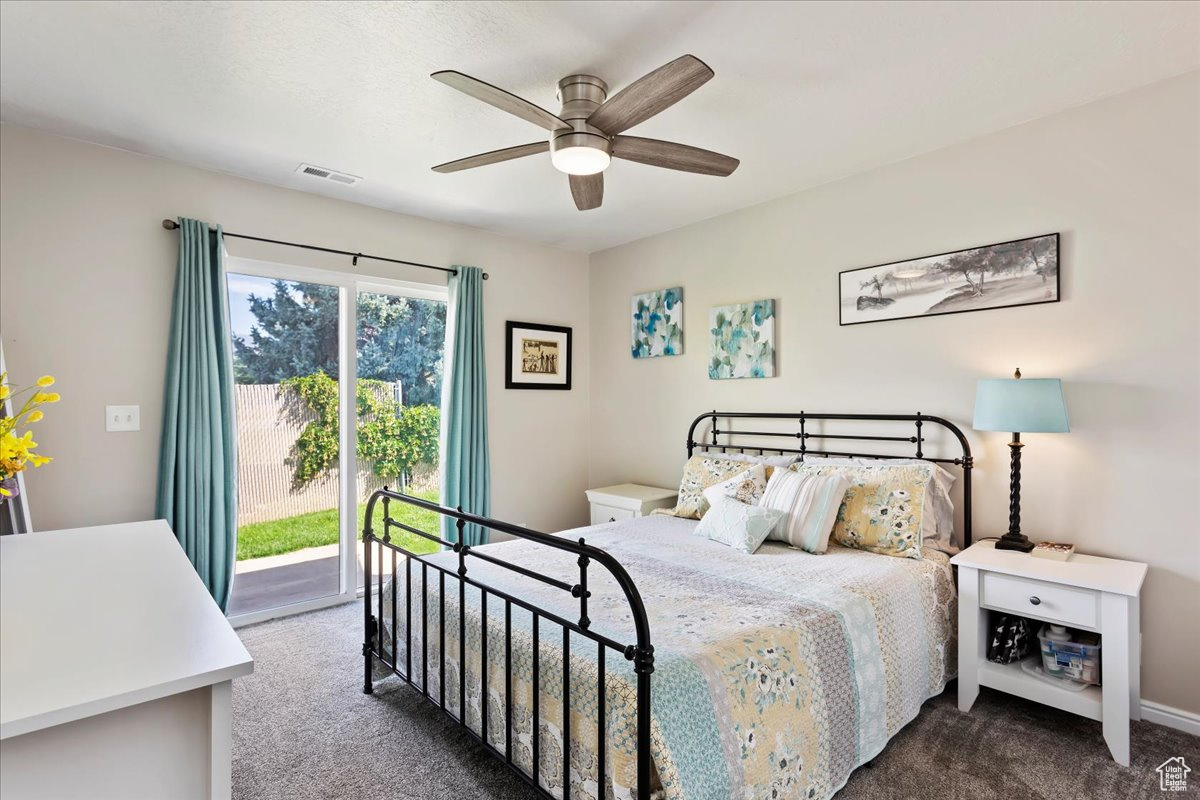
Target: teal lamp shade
1020, 405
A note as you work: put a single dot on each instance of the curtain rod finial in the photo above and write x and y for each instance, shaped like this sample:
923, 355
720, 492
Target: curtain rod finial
170, 224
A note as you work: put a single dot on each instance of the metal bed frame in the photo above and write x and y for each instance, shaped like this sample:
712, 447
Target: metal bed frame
748, 441
640, 651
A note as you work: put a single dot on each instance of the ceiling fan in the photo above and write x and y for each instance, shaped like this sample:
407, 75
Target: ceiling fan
585, 135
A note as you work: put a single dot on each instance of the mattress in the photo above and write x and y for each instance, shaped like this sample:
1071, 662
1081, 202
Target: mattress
776, 674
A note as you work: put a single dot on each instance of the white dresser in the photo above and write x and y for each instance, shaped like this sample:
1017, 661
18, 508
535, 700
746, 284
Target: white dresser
627, 500
1086, 592
116, 668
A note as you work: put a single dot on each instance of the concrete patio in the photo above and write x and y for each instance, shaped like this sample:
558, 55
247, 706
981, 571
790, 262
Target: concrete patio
275, 581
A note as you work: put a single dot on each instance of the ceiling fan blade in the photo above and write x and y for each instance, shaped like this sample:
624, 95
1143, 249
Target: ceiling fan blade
505, 101
671, 155
650, 94
493, 157
588, 190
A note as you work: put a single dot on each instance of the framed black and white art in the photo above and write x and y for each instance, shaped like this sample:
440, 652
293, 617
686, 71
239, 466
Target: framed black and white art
1017, 273
537, 356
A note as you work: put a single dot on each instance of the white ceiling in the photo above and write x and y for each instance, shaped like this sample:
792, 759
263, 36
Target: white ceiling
804, 93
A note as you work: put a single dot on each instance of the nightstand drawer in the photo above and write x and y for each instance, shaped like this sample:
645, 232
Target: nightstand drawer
1053, 601
602, 514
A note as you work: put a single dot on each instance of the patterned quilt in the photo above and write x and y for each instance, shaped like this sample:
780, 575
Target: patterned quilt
776, 674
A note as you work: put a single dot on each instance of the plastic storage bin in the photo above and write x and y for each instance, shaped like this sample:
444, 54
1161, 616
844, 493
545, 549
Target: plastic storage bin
1077, 659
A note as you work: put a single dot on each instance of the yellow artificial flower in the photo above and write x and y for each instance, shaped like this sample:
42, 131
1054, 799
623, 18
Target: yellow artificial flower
12, 451
17, 452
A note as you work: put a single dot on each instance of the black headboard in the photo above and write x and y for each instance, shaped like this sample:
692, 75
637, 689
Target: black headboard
722, 436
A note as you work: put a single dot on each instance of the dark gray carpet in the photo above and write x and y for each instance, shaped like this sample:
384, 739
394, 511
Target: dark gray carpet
303, 729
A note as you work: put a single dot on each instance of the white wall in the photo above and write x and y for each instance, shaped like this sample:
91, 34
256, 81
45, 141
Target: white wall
1120, 179
86, 275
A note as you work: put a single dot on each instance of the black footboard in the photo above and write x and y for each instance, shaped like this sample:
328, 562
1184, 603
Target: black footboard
436, 579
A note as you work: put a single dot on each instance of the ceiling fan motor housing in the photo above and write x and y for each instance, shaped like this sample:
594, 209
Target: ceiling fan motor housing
581, 95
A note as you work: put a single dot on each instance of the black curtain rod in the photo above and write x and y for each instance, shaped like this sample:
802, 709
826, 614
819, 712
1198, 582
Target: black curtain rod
171, 225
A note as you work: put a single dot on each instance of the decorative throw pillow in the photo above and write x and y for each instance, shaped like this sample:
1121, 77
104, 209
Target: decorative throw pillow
783, 460
809, 506
740, 525
747, 486
699, 473
882, 509
937, 523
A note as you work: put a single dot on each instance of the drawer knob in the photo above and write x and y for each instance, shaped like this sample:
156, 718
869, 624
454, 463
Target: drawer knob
1035, 600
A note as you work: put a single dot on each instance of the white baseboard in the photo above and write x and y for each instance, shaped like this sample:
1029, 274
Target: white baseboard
1176, 718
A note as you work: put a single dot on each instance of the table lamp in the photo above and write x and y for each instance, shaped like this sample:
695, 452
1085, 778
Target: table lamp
1019, 406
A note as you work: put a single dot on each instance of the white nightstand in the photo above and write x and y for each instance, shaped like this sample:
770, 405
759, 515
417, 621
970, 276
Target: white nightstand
627, 500
1086, 592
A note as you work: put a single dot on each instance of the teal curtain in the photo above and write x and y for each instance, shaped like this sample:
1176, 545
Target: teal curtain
466, 476
197, 473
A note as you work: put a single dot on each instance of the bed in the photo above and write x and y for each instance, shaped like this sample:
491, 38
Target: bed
668, 665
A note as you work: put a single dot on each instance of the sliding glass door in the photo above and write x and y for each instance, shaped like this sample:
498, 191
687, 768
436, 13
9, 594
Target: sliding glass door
337, 388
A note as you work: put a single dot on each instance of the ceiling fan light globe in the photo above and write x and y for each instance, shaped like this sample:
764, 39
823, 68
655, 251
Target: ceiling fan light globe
580, 160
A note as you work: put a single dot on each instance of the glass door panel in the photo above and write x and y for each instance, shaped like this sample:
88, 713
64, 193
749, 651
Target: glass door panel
400, 339
286, 370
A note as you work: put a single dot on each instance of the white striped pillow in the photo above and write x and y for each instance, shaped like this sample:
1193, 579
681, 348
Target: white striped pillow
809, 504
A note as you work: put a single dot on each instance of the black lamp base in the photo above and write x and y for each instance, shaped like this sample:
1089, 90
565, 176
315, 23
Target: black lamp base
1014, 541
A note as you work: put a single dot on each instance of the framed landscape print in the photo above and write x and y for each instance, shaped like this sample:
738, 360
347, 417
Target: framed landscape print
657, 323
742, 340
1017, 273
537, 356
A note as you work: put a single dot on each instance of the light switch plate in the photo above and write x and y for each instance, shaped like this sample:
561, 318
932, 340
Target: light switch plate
122, 418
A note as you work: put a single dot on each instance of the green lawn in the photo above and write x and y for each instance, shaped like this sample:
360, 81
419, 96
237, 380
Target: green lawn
319, 528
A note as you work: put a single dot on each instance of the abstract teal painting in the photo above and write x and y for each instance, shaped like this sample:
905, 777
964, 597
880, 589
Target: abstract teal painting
658, 323
743, 340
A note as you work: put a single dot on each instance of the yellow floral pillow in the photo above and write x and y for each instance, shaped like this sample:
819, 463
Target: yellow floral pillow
882, 509
699, 473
